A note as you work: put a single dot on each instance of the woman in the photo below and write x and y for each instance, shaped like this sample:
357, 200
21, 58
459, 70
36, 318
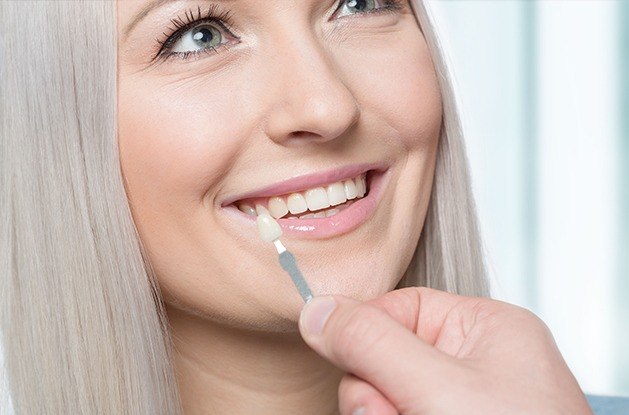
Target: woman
134, 278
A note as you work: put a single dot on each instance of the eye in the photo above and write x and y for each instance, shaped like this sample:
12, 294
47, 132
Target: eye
203, 36
193, 35
349, 7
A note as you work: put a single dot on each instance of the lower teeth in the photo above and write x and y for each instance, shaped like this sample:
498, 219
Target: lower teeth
322, 214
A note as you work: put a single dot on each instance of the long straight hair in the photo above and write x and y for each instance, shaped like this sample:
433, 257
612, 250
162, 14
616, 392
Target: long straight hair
81, 316
449, 255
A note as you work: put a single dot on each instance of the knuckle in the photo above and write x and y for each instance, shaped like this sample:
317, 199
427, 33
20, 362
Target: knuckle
357, 333
516, 317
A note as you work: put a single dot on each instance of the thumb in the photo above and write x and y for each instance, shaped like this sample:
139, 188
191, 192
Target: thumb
362, 339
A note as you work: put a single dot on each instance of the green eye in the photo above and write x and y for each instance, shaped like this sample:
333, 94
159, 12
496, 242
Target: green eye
358, 6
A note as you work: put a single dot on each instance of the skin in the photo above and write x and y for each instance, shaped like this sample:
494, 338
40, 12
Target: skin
301, 91
420, 351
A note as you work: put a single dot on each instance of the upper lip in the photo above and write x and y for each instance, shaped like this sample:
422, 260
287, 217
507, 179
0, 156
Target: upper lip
308, 181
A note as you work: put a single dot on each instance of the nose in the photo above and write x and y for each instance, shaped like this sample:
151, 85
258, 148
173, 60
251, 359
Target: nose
310, 100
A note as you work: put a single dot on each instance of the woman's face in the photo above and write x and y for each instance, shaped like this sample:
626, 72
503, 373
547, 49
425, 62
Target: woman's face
276, 90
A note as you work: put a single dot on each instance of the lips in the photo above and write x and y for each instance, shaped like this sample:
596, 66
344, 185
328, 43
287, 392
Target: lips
307, 181
349, 218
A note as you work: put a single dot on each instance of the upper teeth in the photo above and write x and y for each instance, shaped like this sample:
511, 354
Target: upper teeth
311, 199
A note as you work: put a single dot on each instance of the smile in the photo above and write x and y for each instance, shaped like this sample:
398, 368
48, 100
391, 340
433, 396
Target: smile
337, 201
318, 202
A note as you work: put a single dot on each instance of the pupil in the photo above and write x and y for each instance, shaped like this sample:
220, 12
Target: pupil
358, 4
203, 35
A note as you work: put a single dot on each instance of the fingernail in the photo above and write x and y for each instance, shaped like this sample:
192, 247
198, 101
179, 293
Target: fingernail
315, 313
359, 411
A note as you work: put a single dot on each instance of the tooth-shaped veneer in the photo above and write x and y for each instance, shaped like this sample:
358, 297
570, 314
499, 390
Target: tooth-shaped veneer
268, 228
336, 194
260, 209
296, 203
277, 207
317, 198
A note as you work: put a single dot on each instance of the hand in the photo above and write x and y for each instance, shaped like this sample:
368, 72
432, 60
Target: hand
423, 351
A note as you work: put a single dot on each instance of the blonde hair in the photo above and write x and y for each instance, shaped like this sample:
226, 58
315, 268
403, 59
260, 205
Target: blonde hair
82, 320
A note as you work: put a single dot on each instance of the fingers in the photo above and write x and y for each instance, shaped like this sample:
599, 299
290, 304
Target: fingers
422, 310
363, 339
355, 393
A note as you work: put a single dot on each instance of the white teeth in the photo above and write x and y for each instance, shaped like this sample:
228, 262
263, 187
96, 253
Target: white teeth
247, 209
350, 189
361, 186
317, 198
336, 194
277, 207
331, 212
297, 203
313, 199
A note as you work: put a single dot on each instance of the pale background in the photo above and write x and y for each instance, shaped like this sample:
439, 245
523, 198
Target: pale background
544, 93
543, 87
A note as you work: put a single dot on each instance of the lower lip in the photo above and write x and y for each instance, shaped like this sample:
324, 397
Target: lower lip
345, 221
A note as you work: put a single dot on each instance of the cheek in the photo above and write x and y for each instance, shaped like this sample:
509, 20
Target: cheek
399, 85
172, 147
400, 89
414, 99
175, 145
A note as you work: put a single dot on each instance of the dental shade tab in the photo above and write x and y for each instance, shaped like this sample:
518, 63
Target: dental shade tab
270, 231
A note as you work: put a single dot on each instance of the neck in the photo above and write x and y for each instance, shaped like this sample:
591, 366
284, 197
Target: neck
224, 370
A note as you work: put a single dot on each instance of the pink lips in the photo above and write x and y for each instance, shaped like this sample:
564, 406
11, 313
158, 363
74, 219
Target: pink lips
307, 181
320, 228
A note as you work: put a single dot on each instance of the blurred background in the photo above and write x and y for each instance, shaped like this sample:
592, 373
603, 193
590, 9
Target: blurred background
544, 97
543, 88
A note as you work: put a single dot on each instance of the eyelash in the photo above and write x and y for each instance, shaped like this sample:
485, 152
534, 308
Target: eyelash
224, 20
